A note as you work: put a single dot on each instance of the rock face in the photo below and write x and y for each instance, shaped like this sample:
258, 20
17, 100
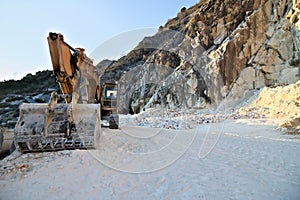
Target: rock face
214, 49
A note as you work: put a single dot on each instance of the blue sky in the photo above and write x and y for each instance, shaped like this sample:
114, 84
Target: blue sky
88, 24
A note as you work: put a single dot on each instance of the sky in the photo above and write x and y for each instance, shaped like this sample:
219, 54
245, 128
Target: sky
25, 26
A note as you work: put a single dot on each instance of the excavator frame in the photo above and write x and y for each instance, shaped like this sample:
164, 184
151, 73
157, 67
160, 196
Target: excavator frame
76, 123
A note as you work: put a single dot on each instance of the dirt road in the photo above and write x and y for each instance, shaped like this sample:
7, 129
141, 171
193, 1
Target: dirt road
235, 160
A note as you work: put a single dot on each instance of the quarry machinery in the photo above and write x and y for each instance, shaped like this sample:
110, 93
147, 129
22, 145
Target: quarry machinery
72, 119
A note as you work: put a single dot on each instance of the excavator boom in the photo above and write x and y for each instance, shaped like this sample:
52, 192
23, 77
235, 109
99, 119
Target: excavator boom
71, 66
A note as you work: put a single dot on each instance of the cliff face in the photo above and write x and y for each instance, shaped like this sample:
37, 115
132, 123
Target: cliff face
214, 49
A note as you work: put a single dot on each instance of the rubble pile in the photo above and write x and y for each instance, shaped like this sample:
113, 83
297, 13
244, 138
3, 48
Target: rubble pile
282, 102
17, 165
177, 119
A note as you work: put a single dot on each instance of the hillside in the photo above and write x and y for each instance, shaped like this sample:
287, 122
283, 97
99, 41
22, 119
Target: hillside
213, 50
30, 89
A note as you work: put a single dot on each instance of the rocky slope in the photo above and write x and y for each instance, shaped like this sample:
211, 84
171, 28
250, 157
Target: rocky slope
30, 89
214, 49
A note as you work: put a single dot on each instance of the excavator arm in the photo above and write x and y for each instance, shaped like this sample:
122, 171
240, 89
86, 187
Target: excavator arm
73, 70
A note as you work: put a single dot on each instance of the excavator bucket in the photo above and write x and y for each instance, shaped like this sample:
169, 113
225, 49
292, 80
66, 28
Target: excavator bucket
52, 127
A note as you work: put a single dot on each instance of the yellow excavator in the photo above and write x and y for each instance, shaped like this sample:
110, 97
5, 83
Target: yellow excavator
72, 119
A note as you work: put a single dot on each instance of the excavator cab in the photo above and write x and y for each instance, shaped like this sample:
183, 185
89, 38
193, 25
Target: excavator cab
109, 105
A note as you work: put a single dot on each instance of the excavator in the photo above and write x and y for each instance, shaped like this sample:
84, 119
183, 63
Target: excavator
74, 118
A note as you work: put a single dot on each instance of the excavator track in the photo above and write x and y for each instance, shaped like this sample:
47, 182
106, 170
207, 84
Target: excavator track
53, 127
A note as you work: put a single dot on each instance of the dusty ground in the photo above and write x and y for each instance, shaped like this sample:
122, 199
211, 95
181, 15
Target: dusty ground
175, 154
241, 159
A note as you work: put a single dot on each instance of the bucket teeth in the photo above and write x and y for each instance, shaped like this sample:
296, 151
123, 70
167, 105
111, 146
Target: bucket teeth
63, 141
51, 144
40, 145
29, 146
